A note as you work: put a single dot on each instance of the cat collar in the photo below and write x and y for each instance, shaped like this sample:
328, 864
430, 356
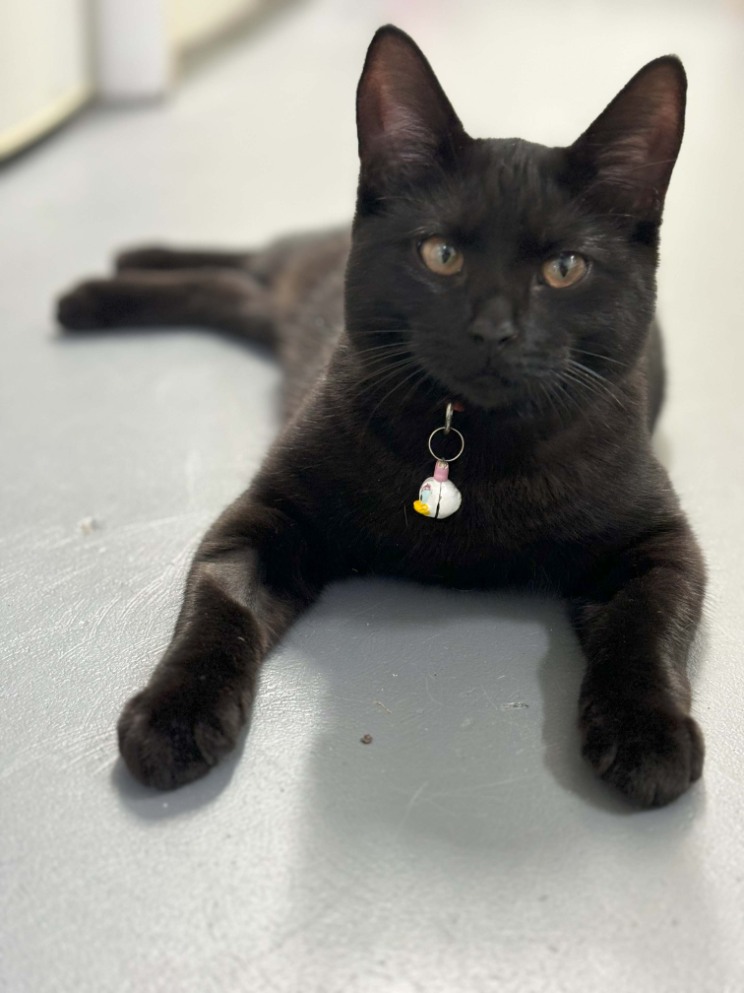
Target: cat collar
438, 496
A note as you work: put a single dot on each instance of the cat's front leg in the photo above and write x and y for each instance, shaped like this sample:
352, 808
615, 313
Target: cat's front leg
636, 617
256, 569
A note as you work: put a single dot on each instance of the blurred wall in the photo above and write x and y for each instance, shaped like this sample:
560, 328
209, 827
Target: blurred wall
196, 21
55, 55
45, 72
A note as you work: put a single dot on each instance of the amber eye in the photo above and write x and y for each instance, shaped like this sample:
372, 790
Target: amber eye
441, 256
564, 270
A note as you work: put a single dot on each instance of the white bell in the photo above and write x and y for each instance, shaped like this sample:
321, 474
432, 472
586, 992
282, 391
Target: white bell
438, 496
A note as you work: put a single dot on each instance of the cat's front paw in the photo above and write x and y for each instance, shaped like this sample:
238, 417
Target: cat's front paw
651, 754
168, 738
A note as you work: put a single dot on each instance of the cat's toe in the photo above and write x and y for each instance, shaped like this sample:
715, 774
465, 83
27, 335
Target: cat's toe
652, 755
84, 307
170, 739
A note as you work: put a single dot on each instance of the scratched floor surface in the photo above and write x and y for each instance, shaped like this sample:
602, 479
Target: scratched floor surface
466, 848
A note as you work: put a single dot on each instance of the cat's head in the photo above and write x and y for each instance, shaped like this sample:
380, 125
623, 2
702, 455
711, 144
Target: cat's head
517, 277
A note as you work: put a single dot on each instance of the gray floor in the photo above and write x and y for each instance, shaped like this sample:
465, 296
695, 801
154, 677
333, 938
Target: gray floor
467, 848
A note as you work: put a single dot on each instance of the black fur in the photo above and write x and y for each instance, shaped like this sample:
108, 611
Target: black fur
558, 388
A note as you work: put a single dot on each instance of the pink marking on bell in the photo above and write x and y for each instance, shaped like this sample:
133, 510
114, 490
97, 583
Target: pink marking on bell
441, 472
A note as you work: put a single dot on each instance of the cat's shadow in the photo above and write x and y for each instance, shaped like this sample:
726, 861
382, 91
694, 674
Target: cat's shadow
470, 696
471, 701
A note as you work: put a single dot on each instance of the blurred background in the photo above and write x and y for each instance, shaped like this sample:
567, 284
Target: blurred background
56, 58
466, 850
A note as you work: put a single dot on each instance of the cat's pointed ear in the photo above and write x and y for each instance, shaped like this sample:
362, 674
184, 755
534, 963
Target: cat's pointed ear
405, 123
625, 158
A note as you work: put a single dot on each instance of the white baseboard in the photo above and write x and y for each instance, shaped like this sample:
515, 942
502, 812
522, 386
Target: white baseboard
17, 137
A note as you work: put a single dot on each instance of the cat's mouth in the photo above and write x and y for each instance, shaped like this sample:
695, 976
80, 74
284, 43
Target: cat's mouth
492, 391
525, 384
492, 388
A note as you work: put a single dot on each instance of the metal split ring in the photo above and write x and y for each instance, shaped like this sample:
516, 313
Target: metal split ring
447, 430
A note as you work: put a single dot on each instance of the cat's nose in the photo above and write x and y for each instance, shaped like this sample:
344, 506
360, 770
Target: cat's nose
495, 323
499, 334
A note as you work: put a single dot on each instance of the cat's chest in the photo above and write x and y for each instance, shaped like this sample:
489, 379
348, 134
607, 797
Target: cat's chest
517, 518
500, 519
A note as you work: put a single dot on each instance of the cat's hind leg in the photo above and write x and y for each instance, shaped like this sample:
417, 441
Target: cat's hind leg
161, 257
222, 299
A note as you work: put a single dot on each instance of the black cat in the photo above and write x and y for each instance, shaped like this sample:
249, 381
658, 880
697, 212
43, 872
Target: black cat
512, 284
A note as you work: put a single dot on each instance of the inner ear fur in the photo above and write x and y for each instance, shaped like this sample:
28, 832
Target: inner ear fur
625, 158
404, 120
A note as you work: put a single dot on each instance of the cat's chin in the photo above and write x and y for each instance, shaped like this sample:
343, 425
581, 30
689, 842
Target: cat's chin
494, 394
